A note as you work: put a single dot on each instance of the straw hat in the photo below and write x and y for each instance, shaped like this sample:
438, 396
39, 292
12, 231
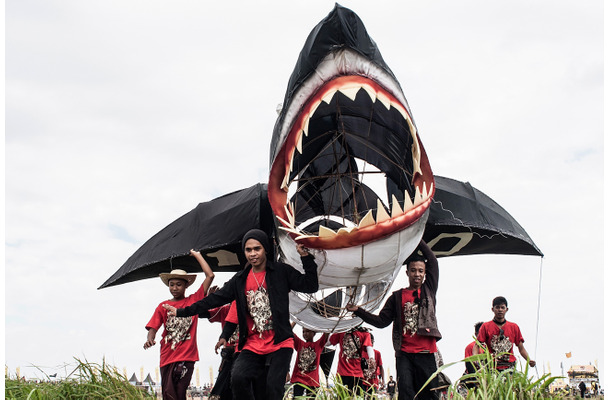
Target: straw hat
178, 274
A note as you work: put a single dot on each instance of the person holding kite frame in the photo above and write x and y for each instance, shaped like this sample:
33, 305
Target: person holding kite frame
415, 329
260, 292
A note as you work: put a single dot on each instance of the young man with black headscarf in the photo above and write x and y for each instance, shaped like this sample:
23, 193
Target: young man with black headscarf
261, 291
415, 330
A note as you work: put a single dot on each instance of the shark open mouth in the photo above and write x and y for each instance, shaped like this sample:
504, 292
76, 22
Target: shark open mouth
351, 169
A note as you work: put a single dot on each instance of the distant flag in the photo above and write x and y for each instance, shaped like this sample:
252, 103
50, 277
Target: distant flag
197, 376
125, 372
142, 374
548, 363
5, 371
211, 376
568, 355
157, 374
17, 371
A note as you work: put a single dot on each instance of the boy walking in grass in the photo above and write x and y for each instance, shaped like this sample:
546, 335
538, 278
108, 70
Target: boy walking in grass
352, 345
499, 336
179, 339
305, 374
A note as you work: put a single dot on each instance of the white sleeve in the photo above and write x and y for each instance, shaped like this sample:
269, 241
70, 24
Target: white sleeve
370, 352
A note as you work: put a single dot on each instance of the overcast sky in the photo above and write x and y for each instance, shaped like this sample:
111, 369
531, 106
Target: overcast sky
123, 115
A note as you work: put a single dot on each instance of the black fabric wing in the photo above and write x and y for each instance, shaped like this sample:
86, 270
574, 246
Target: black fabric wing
215, 228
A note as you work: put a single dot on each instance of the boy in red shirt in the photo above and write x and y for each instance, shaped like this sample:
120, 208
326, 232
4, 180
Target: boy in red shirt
305, 375
468, 352
373, 372
179, 339
227, 316
499, 335
352, 345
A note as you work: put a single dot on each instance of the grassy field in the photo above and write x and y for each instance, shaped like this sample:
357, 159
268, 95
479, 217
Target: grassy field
87, 381
101, 381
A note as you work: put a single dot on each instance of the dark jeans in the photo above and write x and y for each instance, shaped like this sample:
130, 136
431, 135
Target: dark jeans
260, 376
175, 379
353, 383
413, 370
300, 390
326, 361
222, 387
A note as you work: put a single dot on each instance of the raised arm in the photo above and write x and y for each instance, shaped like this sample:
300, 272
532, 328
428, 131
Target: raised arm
307, 282
431, 266
209, 275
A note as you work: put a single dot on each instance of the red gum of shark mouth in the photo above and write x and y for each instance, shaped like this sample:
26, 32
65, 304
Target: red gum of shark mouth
369, 228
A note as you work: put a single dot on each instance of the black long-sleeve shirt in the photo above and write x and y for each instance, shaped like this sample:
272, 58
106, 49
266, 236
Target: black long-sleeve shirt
392, 309
281, 279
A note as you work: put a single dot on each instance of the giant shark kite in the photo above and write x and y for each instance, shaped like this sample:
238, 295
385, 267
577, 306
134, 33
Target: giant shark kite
349, 178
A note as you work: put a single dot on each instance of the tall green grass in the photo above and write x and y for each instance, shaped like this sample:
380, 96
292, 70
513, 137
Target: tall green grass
511, 384
87, 381
490, 384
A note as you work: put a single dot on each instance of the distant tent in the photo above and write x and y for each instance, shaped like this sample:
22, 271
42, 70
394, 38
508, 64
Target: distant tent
133, 380
149, 380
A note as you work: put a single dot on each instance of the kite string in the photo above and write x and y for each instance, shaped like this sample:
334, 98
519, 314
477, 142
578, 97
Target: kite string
538, 312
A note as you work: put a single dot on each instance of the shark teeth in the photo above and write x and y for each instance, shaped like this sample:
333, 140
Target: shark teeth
350, 90
421, 195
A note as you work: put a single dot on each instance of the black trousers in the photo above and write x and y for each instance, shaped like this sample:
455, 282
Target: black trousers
260, 376
175, 379
353, 383
326, 361
299, 390
413, 370
222, 387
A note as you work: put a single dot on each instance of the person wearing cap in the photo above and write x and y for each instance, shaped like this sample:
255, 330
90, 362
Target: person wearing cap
412, 310
179, 339
260, 292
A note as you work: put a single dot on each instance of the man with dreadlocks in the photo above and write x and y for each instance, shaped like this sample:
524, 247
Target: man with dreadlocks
415, 329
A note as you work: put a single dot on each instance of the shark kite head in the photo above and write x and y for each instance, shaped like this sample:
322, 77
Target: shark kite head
344, 120
345, 126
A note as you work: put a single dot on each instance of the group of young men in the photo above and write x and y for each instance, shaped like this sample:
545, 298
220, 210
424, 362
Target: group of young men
253, 308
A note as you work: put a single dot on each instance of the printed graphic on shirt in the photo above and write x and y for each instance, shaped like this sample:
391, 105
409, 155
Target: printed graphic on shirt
307, 360
410, 312
369, 372
501, 344
351, 347
177, 329
234, 337
260, 309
